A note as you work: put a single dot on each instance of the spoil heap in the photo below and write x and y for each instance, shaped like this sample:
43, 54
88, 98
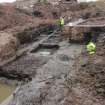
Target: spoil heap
11, 17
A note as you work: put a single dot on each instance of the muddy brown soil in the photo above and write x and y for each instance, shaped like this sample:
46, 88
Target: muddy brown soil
50, 81
11, 17
91, 73
80, 83
23, 68
67, 75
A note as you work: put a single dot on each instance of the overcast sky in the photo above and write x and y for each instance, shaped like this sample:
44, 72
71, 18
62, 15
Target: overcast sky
8, 1
86, 0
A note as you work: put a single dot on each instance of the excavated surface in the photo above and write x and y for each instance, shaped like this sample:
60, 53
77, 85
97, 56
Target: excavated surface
91, 73
58, 82
23, 68
62, 78
49, 86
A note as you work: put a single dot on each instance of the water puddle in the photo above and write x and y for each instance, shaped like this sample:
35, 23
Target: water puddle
5, 91
45, 50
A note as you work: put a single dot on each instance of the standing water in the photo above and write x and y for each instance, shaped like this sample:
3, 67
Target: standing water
5, 91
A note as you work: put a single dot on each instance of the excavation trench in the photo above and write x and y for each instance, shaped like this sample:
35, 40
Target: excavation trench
35, 65
24, 67
51, 84
27, 66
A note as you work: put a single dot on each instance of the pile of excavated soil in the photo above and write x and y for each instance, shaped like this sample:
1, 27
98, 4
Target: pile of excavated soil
11, 17
29, 32
95, 21
69, 9
28, 4
46, 11
83, 10
50, 10
8, 46
25, 4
